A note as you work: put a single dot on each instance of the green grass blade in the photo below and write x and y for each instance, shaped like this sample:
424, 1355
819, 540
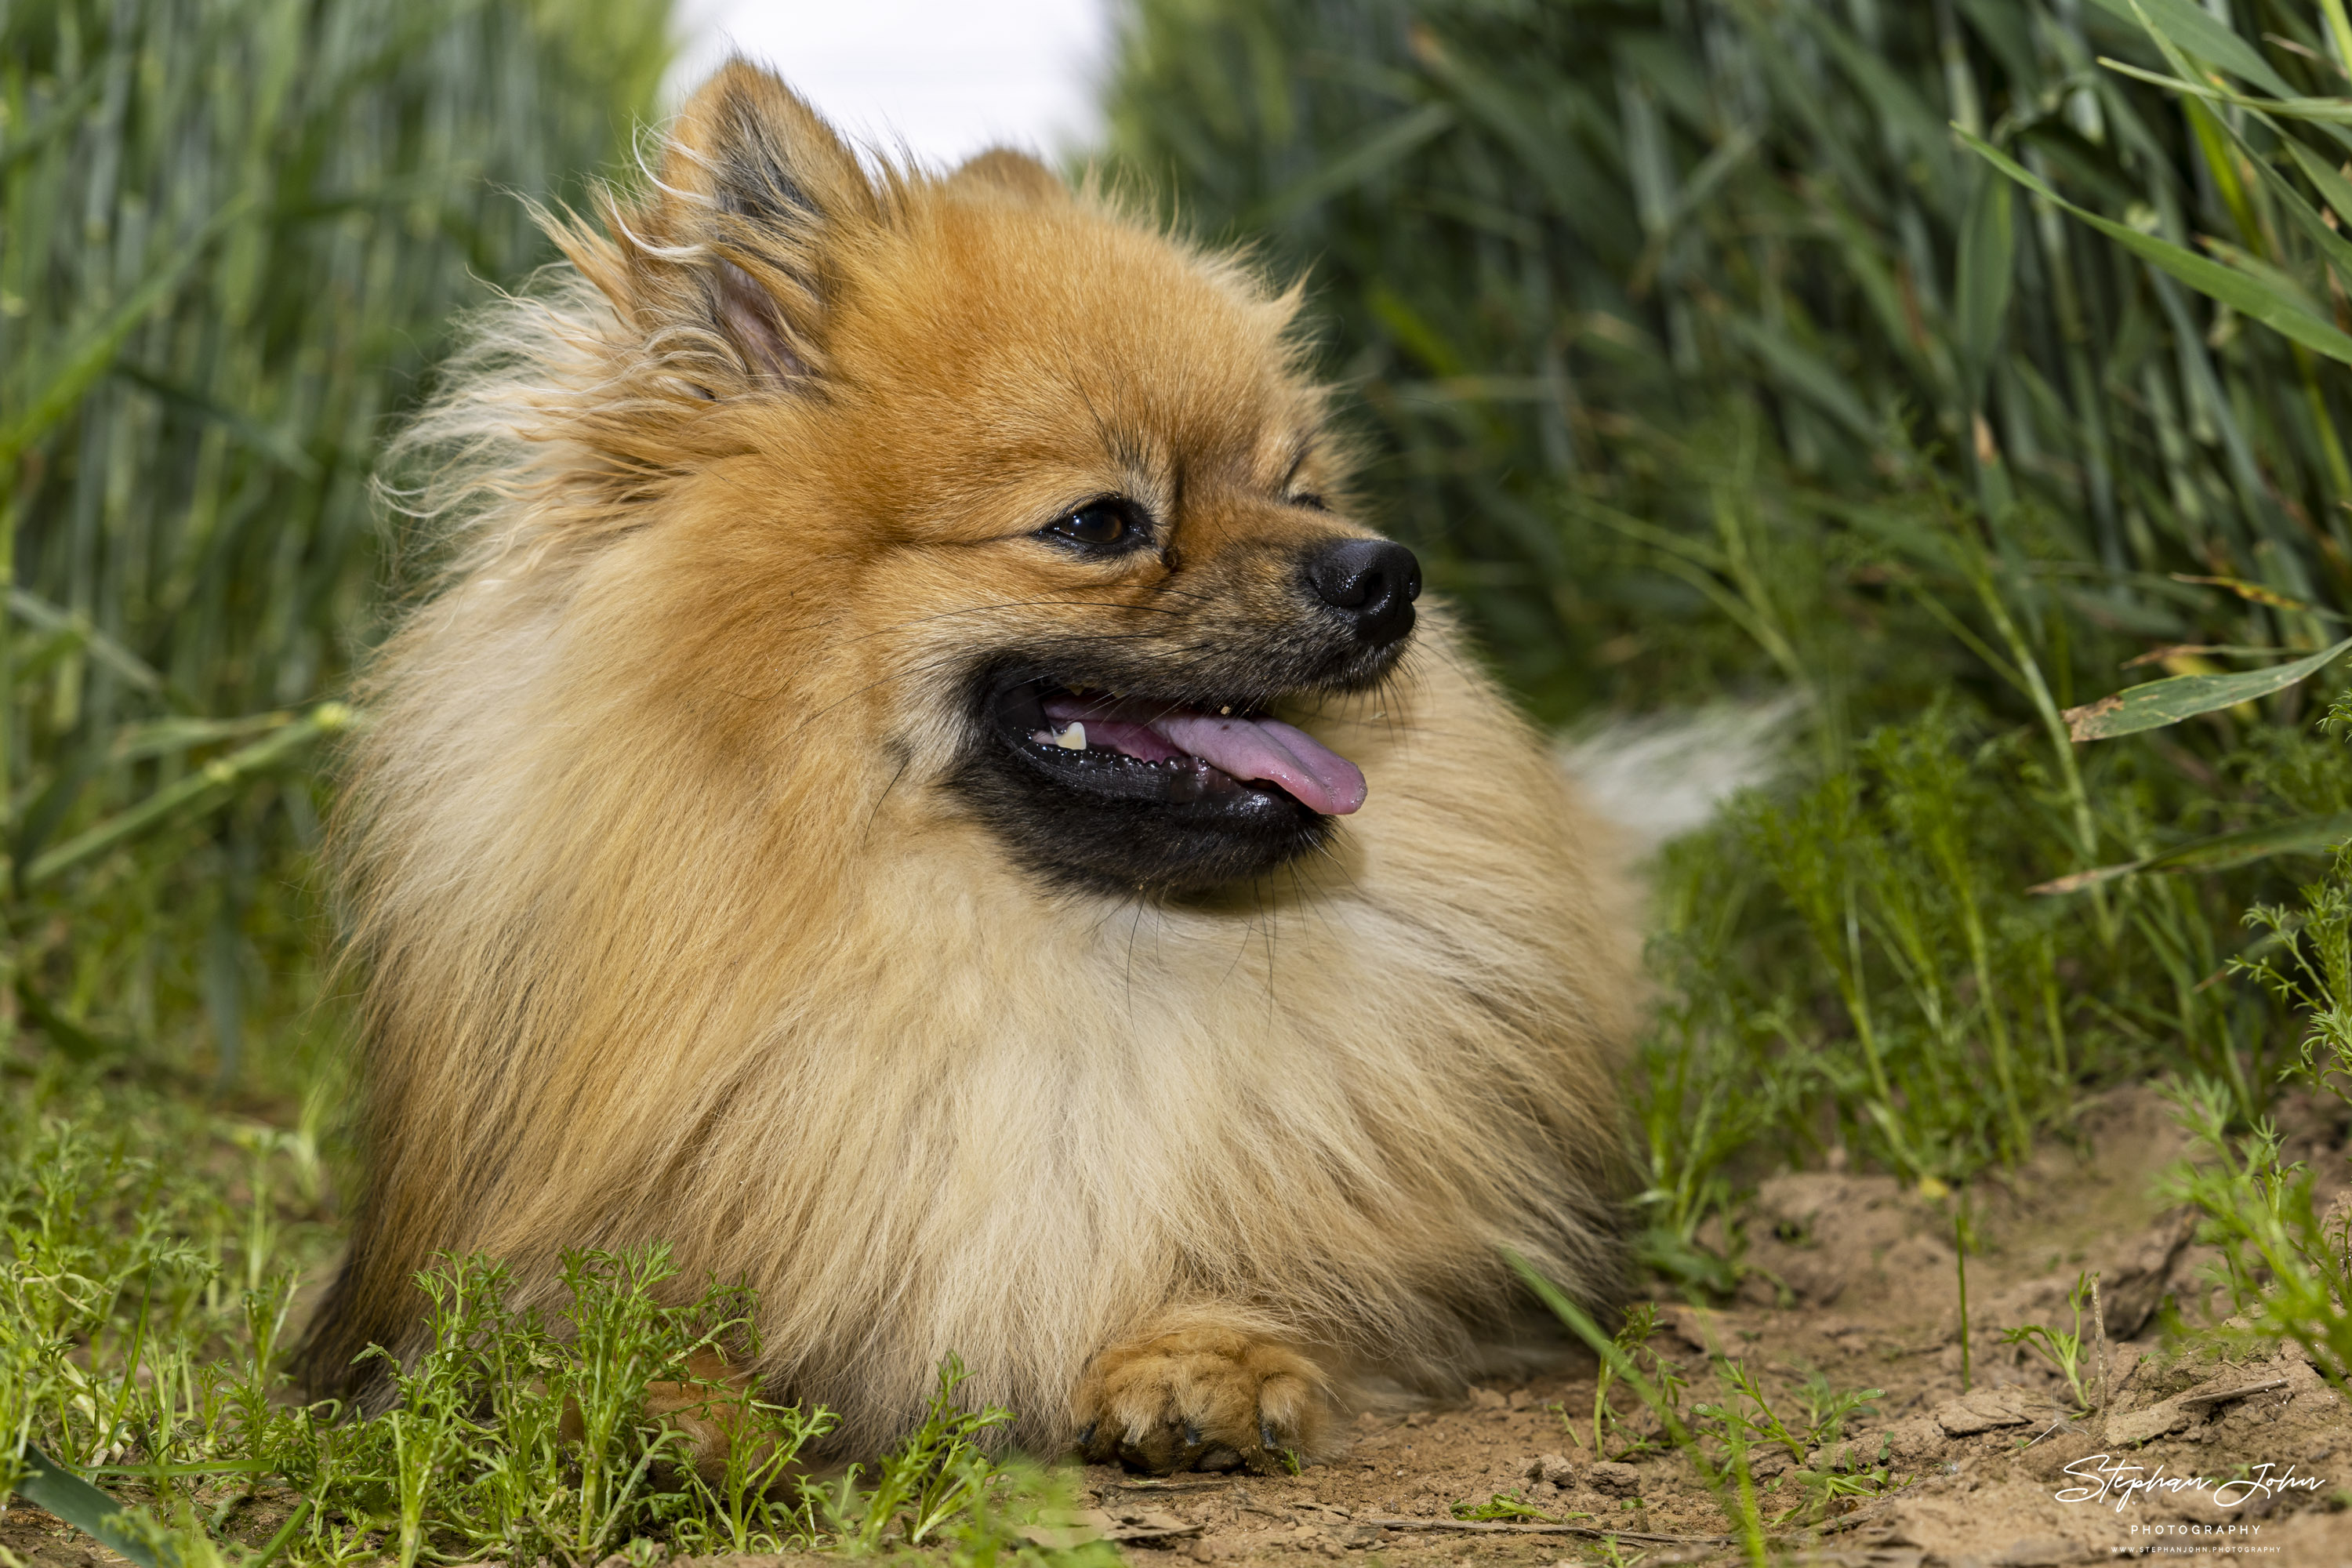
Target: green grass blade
1803, 373
2306, 217
2242, 291
1580, 1322
2304, 835
2319, 110
1610, 1354
2162, 702
2332, 188
2196, 31
53, 1487
1988, 268
203, 790
134, 671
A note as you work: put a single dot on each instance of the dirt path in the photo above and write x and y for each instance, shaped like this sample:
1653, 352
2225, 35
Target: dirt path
1983, 1497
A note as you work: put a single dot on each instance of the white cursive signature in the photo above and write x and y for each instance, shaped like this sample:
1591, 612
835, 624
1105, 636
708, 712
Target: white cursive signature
2128, 1483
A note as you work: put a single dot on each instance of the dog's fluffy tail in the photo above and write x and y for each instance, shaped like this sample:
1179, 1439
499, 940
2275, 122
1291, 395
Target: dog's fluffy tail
1660, 775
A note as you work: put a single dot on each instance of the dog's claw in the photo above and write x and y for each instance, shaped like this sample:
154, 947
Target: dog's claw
1192, 1435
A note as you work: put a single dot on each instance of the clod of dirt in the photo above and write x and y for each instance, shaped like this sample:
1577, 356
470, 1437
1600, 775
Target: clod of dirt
1983, 1409
1916, 1441
2135, 1426
1617, 1480
2208, 1401
1694, 1328
1549, 1468
1119, 1522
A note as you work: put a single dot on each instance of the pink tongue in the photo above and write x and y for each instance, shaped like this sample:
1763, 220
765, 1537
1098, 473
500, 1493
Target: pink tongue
1267, 748
1318, 777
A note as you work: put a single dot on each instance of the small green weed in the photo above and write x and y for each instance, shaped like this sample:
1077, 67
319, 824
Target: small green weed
1748, 1408
1503, 1506
1830, 1490
2285, 1263
938, 1474
1746, 1418
1962, 1234
1828, 1407
1613, 1437
2061, 1348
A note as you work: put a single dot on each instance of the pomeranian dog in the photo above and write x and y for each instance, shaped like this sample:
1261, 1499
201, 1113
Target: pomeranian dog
916, 789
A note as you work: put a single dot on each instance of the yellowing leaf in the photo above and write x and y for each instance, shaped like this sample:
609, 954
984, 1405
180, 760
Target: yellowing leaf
2245, 590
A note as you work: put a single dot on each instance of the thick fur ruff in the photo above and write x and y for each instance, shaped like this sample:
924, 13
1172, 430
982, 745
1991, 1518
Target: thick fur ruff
675, 924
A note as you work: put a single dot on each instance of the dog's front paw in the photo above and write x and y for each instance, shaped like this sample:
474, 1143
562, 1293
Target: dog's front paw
1200, 1398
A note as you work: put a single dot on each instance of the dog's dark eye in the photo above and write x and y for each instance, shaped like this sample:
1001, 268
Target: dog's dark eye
1310, 501
1101, 524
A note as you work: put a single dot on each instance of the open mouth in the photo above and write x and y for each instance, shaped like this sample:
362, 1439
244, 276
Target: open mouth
1116, 790
1151, 750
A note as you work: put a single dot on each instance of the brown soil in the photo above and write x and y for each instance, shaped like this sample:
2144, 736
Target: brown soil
1865, 1297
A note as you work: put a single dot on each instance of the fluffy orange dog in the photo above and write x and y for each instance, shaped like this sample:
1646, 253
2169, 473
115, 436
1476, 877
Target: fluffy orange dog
916, 791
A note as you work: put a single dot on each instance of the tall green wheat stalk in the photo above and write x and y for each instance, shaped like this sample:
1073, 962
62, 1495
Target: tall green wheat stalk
231, 234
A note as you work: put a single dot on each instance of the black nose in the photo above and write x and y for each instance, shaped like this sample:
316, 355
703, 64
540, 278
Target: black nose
1371, 580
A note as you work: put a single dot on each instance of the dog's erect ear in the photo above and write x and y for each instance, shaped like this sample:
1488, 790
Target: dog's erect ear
753, 188
1014, 174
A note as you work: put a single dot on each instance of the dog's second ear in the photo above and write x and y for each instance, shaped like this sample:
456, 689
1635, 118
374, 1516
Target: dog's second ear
1016, 175
753, 190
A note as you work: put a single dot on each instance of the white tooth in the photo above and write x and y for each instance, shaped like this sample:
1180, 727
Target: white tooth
1226, 710
1073, 738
